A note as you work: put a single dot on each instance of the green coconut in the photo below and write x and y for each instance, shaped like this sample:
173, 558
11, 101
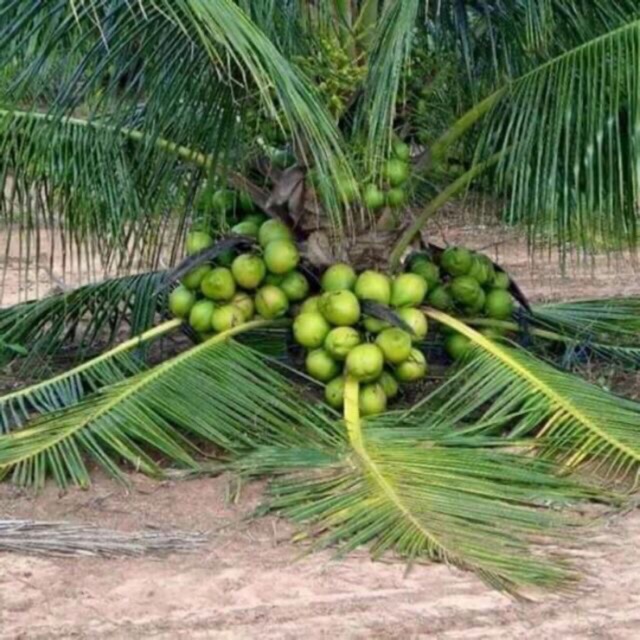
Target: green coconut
249, 270
340, 308
193, 279
246, 228
414, 368
465, 290
338, 277
201, 315
295, 286
274, 279
408, 290
225, 258
440, 298
226, 317
416, 320
340, 341
281, 256
321, 366
372, 399
181, 300
482, 269
334, 392
373, 197
365, 362
310, 330
396, 172
244, 302
401, 150
501, 280
223, 201
477, 305
457, 346
427, 269
273, 230
311, 305
374, 325
499, 304
219, 285
271, 302
395, 344
374, 286
456, 261
389, 384
257, 218
396, 197
198, 241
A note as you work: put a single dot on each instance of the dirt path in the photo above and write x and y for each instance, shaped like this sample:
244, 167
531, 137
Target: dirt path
249, 581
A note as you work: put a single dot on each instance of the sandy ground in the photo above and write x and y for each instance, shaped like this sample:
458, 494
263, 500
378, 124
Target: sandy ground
250, 581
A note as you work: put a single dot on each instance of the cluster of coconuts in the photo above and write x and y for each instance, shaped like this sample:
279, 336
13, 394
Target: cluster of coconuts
466, 284
232, 289
338, 337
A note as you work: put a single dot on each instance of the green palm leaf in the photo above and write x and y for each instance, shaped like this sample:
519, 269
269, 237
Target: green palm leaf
73, 385
570, 142
425, 496
220, 393
92, 315
573, 420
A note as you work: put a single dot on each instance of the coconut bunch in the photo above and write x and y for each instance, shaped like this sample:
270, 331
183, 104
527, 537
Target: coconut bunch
232, 289
466, 284
363, 325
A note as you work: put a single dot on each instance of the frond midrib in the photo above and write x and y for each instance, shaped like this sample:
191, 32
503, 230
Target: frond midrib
557, 400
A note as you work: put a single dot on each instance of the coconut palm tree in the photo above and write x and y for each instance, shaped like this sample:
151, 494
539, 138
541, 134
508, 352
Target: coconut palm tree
124, 122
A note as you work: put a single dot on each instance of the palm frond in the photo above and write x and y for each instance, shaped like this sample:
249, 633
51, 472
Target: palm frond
391, 50
81, 318
219, 393
573, 421
425, 496
72, 386
183, 71
569, 135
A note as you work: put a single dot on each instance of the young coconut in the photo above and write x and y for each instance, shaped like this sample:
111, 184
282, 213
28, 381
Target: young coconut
249, 271
321, 366
340, 308
396, 197
311, 305
427, 269
281, 256
198, 241
273, 230
295, 286
226, 317
271, 302
193, 278
310, 330
246, 228
334, 393
219, 285
373, 286
340, 341
456, 261
465, 290
414, 368
389, 384
408, 290
338, 277
395, 344
365, 362
374, 325
372, 399
499, 304
373, 197
440, 298
416, 320
244, 302
457, 346
201, 315
396, 172
181, 300
501, 280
